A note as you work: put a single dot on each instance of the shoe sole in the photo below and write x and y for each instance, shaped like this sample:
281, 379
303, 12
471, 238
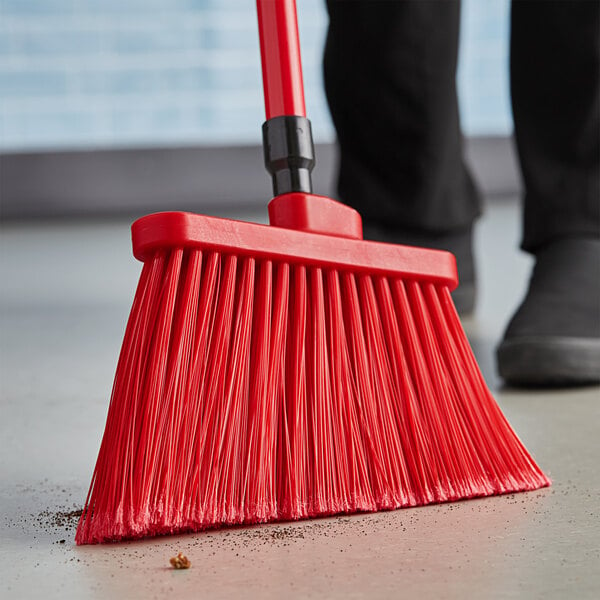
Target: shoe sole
549, 361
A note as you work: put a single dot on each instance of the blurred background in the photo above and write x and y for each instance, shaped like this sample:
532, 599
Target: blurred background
127, 106
111, 109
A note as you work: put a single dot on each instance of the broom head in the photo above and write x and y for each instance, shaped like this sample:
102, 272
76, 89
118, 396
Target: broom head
291, 371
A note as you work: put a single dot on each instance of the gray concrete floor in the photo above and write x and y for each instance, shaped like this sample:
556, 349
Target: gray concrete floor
65, 296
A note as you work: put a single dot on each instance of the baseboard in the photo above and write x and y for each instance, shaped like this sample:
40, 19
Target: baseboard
212, 180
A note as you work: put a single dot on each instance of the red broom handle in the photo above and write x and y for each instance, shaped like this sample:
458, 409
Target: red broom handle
280, 56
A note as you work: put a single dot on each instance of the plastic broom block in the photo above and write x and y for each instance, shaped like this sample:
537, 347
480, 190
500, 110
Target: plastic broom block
270, 373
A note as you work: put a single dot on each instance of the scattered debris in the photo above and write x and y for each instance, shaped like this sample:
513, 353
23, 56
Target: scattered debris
180, 561
62, 519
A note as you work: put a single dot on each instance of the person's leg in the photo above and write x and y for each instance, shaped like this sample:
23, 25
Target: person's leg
390, 79
555, 75
555, 83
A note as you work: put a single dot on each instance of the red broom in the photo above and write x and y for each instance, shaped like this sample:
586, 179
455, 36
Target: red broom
292, 370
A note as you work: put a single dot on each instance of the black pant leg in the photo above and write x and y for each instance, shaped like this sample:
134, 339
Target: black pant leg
390, 79
555, 84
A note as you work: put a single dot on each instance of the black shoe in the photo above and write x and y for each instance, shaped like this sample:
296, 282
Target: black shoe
459, 243
554, 337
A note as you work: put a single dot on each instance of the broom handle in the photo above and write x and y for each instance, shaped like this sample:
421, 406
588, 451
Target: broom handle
280, 57
287, 136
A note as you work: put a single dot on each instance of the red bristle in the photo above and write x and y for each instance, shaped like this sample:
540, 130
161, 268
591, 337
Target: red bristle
213, 399
249, 390
194, 434
351, 461
259, 500
514, 468
295, 498
437, 440
280, 451
322, 475
379, 361
179, 435
407, 412
377, 452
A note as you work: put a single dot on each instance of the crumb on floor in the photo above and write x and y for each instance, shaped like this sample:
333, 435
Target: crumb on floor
180, 561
